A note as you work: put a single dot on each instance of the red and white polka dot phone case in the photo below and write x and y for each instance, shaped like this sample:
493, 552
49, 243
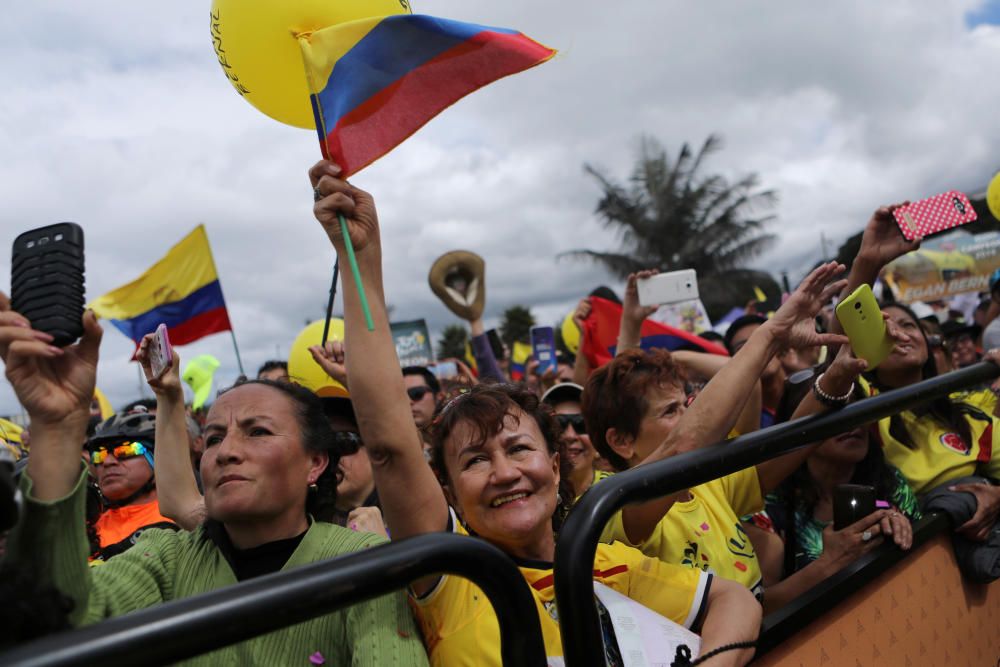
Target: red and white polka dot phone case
936, 214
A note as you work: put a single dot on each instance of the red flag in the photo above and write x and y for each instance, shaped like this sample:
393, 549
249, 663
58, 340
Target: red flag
600, 335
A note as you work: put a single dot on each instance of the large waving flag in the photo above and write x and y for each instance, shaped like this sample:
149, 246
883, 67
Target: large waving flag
376, 81
600, 335
181, 290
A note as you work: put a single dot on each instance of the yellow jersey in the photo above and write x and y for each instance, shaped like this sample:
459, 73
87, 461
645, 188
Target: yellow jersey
941, 454
705, 533
461, 629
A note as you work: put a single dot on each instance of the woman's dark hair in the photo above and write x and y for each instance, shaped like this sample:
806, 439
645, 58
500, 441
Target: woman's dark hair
947, 412
317, 436
615, 396
485, 407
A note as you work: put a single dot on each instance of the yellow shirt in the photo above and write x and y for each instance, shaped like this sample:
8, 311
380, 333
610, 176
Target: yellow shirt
705, 532
461, 630
940, 454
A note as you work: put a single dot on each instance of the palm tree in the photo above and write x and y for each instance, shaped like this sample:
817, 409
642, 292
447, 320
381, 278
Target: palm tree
670, 217
515, 325
451, 345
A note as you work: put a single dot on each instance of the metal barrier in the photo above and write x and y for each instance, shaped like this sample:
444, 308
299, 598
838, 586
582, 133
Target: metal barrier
184, 628
577, 543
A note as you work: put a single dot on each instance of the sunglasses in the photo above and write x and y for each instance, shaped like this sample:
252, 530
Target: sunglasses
126, 450
349, 441
417, 393
576, 421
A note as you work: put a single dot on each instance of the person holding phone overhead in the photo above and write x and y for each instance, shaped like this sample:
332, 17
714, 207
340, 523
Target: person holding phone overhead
495, 450
266, 443
947, 439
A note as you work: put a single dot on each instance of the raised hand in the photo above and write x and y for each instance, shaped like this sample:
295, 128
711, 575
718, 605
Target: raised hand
331, 359
53, 384
582, 312
334, 197
630, 330
168, 385
630, 305
882, 241
794, 324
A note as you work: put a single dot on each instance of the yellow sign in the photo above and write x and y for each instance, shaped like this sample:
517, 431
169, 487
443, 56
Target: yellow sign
944, 266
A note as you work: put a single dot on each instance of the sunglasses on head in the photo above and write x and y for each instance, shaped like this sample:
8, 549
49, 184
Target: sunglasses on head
576, 421
417, 393
125, 450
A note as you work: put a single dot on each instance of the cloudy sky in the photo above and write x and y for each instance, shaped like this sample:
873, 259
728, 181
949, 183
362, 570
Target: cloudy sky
117, 116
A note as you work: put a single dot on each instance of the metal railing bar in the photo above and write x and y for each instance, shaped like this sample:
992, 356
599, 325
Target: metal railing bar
577, 543
191, 626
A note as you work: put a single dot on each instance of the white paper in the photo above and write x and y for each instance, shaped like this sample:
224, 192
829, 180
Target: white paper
645, 638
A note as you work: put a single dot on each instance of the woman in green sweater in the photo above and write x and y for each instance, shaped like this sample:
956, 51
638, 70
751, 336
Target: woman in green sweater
266, 445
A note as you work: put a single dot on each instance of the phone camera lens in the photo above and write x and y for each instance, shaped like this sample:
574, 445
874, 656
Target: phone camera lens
59, 237
43, 240
30, 244
857, 306
959, 206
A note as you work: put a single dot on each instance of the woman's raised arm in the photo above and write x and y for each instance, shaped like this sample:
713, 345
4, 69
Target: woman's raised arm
176, 488
411, 497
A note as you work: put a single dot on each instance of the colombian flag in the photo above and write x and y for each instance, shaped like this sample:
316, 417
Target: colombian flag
181, 290
519, 356
376, 81
600, 335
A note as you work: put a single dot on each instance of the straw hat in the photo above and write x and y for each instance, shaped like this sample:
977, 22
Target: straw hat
458, 278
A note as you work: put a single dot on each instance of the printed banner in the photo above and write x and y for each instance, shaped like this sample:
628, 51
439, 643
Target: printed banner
413, 343
944, 266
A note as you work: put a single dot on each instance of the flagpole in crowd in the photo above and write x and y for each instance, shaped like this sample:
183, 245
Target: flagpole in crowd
329, 303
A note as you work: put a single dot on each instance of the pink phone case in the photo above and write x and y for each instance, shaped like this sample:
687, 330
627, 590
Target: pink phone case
936, 214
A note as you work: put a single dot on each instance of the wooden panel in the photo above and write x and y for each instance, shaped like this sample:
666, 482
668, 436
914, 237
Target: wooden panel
919, 613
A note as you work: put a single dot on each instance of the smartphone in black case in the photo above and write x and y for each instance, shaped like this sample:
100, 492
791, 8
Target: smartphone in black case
852, 502
47, 280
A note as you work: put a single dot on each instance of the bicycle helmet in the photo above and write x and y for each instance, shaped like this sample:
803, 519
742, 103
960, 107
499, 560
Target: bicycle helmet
135, 425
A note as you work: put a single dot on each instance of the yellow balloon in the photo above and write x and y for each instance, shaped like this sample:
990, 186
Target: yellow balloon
303, 369
993, 196
571, 334
255, 42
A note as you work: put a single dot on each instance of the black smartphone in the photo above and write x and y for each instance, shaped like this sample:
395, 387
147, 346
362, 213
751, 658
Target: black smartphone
47, 280
852, 502
496, 345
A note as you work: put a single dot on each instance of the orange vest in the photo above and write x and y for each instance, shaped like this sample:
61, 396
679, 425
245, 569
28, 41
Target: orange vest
119, 523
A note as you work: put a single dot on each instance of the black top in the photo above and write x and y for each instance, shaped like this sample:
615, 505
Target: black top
255, 561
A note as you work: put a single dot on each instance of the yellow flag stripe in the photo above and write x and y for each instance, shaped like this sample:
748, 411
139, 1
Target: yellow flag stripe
187, 267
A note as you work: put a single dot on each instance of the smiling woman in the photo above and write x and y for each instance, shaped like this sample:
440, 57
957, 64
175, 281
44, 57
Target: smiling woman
496, 452
268, 444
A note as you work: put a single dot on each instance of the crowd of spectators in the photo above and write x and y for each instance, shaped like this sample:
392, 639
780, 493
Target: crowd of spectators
151, 504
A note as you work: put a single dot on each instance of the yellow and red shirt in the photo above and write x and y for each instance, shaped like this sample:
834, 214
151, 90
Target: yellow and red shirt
704, 532
461, 629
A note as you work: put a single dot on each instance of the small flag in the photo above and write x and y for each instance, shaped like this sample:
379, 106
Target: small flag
600, 335
519, 360
198, 374
181, 290
376, 81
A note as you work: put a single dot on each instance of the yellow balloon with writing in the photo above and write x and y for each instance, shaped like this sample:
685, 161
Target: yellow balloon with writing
256, 44
303, 369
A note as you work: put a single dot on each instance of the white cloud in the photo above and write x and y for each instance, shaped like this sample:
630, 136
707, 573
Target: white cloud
118, 117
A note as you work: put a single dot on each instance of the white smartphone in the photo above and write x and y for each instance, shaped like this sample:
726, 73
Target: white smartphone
672, 287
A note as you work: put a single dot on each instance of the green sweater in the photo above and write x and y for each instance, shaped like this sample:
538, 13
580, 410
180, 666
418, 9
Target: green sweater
167, 565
